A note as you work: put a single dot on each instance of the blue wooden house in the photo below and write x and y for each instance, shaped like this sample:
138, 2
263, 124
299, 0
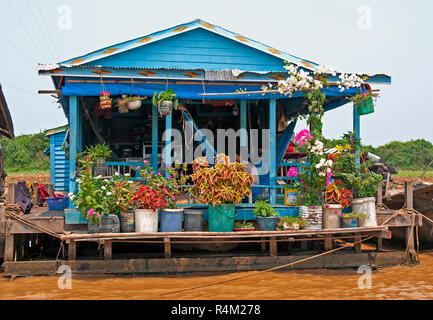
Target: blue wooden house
59, 162
217, 75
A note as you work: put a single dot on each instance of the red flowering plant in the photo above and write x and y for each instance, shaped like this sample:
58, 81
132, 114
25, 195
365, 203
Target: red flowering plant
148, 198
123, 192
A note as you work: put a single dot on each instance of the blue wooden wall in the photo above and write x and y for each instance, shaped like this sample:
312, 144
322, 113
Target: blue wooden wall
195, 49
59, 164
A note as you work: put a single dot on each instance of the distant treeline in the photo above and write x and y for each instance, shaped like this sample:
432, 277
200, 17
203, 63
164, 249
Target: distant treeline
26, 153
410, 155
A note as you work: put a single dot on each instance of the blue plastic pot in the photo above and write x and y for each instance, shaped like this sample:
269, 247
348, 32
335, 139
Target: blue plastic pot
350, 222
171, 220
267, 223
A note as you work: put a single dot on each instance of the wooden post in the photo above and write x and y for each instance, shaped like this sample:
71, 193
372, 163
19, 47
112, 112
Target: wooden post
379, 244
108, 249
37, 197
357, 246
273, 149
167, 248
304, 245
408, 194
72, 250
9, 248
263, 245
11, 193
379, 200
50, 189
388, 175
273, 247
327, 244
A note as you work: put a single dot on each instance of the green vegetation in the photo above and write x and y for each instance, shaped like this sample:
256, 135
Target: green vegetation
26, 153
413, 155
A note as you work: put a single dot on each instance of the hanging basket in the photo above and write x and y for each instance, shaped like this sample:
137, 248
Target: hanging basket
134, 105
365, 106
105, 102
165, 107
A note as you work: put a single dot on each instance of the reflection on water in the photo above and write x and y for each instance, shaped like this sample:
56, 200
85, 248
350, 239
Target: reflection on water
400, 282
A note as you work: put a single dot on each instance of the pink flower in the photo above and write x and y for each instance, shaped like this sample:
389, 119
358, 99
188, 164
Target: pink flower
336, 212
293, 172
327, 206
302, 218
303, 136
314, 207
342, 214
172, 197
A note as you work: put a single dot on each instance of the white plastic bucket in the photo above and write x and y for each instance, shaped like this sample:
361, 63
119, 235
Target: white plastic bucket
146, 220
332, 216
368, 207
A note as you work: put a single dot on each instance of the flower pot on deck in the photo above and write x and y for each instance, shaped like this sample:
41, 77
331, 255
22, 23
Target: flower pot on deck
146, 220
171, 220
193, 220
349, 222
313, 216
332, 216
221, 217
368, 207
108, 224
127, 221
267, 223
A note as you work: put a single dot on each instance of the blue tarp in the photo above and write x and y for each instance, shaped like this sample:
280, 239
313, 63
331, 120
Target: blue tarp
183, 91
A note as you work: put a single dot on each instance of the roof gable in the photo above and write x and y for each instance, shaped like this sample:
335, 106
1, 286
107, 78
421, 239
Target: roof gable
186, 32
195, 49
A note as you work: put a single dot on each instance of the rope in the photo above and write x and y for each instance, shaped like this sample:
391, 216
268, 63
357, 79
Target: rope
267, 270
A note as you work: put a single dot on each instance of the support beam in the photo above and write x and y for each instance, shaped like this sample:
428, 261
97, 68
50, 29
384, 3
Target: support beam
154, 159
243, 127
357, 130
9, 248
72, 250
167, 248
108, 249
74, 142
11, 193
408, 194
273, 149
379, 199
273, 247
168, 125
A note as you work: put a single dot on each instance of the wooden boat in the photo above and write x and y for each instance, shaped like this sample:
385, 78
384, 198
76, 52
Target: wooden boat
422, 202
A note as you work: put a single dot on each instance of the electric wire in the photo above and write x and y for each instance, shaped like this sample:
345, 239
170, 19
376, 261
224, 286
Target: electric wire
47, 29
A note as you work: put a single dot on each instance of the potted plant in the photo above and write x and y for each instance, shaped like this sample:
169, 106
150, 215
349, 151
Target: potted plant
291, 223
165, 101
147, 201
121, 104
267, 217
313, 177
221, 187
96, 202
105, 100
133, 103
123, 192
97, 154
171, 216
336, 198
243, 226
364, 101
352, 219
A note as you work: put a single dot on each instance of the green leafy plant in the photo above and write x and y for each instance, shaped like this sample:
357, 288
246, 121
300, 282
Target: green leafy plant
244, 225
132, 99
123, 192
264, 209
359, 216
224, 183
168, 95
98, 151
289, 222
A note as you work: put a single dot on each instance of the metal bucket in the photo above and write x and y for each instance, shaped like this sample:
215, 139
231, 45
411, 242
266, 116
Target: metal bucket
127, 221
267, 223
193, 220
171, 220
108, 224
332, 216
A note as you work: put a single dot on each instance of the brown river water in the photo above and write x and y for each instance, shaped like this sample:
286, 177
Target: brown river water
401, 282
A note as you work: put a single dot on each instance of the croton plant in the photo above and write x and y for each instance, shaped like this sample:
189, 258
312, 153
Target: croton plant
224, 183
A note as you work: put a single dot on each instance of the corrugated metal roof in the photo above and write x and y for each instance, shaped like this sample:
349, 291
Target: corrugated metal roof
179, 29
6, 125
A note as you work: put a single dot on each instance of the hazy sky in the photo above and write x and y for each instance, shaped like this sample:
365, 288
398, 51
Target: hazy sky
396, 41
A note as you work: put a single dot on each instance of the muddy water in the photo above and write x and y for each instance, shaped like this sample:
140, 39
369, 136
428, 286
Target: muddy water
400, 282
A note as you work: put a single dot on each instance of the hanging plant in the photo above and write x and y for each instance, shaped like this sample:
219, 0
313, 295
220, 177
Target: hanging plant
133, 103
105, 100
165, 101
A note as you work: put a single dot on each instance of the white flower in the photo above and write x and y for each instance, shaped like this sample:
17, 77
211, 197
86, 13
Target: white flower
103, 188
109, 193
126, 174
116, 174
322, 174
98, 177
